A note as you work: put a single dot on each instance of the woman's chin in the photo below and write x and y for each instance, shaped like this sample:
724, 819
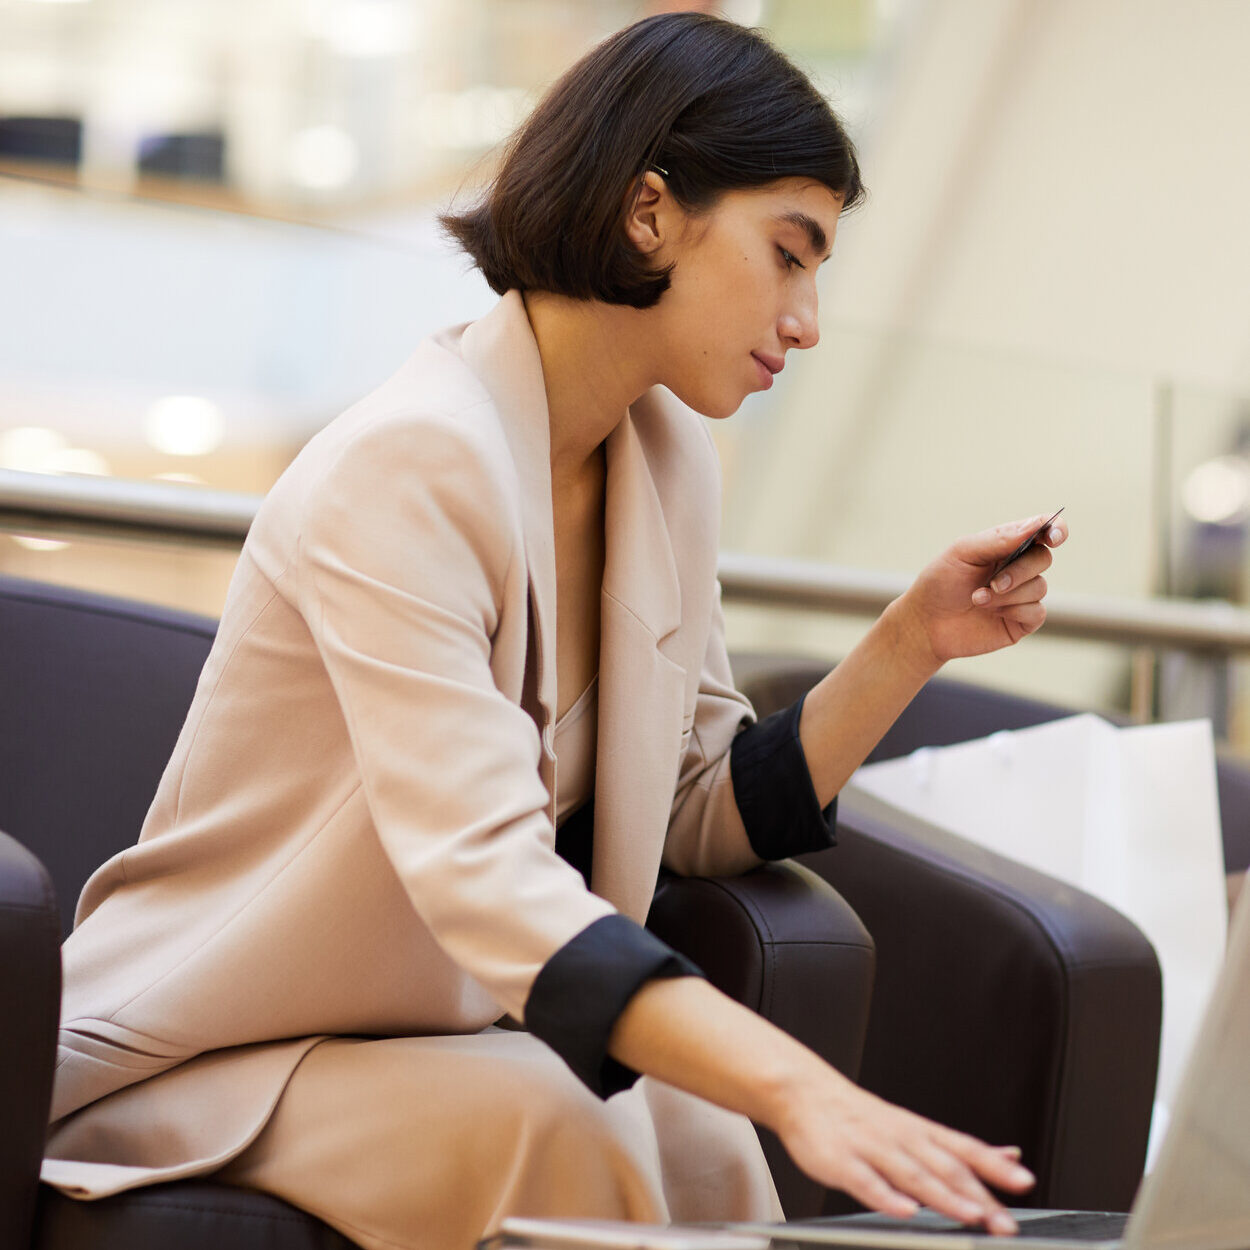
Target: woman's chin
715, 407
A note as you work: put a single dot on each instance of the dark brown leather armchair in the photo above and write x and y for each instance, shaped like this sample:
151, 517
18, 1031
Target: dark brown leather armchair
1006, 1004
95, 691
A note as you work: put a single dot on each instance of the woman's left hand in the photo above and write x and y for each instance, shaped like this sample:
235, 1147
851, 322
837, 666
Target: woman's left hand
955, 611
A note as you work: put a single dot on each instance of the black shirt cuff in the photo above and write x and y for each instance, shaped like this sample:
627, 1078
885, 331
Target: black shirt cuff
582, 989
774, 790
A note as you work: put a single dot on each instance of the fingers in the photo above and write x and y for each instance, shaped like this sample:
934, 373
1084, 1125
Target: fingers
944, 1183
1031, 591
997, 1165
1027, 618
893, 1160
865, 1184
894, 1176
1020, 606
1021, 582
1054, 536
912, 1160
959, 1168
1034, 561
992, 546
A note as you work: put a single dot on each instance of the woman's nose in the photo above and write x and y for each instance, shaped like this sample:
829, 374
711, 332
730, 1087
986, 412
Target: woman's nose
800, 327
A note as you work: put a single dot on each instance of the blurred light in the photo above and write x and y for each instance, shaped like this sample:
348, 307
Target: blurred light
476, 118
368, 28
35, 449
78, 460
322, 157
28, 448
184, 425
60, 2
190, 478
39, 544
1218, 491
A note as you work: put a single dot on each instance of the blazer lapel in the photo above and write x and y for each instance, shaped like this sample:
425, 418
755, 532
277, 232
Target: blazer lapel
501, 351
641, 691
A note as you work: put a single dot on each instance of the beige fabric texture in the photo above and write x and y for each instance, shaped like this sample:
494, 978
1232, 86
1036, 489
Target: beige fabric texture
527, 1139
355, 833
575, 739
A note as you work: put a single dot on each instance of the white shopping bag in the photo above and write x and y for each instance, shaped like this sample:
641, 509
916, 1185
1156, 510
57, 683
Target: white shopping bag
1130, 816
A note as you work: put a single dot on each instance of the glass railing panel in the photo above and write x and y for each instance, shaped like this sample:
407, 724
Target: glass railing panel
879, 449
192, 578
153, 340
115, 313
1204, 488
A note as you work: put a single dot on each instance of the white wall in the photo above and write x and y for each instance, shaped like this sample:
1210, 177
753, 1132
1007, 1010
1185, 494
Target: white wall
1066, 177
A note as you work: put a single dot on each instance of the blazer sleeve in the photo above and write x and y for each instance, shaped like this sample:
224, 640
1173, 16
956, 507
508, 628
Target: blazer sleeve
404, 549
744, 791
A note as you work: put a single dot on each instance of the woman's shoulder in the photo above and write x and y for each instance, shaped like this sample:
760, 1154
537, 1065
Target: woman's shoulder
427, 438
431, 408
432, 394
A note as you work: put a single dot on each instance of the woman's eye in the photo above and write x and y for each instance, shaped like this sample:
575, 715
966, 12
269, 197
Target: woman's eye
790, 259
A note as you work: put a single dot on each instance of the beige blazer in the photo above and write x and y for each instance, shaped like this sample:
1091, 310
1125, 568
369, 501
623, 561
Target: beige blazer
355, 832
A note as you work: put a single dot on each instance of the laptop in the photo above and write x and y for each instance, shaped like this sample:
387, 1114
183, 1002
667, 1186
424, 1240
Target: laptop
1196, 1198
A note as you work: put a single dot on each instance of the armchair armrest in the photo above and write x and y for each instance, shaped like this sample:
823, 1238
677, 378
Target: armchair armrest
784, 943
30, 1004
1006, 1003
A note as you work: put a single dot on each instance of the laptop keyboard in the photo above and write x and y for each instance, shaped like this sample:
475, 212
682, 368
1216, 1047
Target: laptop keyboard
1076, 1225
1061, 1225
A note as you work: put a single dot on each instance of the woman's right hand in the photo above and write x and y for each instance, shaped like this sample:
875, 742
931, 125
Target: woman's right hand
688, 1034
890, 1159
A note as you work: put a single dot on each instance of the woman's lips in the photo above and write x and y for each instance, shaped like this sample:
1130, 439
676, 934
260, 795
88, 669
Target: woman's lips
767, 366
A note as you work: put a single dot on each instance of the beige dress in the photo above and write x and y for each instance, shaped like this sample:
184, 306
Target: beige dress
529, 1139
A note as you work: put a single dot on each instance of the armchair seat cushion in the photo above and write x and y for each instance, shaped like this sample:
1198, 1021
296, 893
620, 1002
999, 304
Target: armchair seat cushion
189, 1215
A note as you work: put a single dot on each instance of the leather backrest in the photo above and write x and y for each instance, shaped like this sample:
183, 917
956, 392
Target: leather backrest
95, 691
953, 711
30, 1000
942, 713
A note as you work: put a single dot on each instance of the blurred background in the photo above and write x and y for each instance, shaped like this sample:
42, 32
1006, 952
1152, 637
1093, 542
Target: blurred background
217, 231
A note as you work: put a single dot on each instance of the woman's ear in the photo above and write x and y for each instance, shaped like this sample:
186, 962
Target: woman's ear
647, 212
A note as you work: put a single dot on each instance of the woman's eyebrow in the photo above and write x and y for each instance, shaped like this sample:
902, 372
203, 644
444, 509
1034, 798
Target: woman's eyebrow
812, 228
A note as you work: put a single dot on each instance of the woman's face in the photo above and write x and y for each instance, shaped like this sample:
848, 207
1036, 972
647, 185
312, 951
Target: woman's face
743, 289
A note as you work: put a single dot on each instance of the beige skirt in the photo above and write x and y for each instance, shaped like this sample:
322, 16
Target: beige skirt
427, 1143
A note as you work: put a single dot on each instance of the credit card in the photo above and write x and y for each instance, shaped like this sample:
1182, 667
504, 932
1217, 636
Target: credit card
1022, 548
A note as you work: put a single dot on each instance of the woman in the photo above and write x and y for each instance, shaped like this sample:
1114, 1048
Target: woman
362, 867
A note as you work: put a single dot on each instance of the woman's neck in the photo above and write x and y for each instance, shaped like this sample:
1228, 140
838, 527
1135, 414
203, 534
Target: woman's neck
597, 359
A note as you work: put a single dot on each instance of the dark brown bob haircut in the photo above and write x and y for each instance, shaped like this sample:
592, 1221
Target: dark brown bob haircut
711, 103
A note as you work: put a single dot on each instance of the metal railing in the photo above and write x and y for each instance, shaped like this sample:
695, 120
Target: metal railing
108, 507
100, 507
1177, 624
103, 507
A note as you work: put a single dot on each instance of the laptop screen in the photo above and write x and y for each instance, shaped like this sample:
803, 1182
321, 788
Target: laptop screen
1198, 1195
